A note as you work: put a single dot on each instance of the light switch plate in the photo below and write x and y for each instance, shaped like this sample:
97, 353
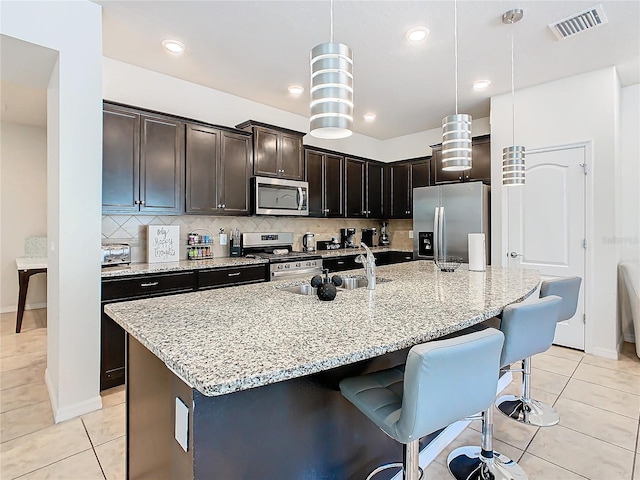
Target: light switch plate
182, 424
410, 233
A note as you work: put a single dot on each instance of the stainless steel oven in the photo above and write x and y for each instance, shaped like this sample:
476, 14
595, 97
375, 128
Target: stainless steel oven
275, 196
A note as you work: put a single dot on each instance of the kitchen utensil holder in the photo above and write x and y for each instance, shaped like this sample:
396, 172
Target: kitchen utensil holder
199, 246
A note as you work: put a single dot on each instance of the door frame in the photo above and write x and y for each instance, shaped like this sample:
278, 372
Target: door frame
589, 234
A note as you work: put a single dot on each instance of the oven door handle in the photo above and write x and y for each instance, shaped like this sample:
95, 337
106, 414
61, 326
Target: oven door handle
292, 273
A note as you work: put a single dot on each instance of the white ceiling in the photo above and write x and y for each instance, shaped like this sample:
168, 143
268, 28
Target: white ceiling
256, 49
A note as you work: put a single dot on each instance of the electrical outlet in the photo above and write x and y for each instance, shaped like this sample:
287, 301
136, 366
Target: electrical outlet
410, 233
182, 424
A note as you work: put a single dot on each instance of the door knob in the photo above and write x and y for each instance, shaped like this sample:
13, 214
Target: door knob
514, 255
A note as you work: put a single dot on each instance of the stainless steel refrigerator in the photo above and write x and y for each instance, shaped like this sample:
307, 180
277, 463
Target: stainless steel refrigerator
444, 215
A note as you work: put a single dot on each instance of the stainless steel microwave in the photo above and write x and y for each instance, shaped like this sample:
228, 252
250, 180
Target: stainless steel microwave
276, 196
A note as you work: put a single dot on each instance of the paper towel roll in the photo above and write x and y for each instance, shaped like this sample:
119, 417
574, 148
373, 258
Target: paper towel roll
477, 253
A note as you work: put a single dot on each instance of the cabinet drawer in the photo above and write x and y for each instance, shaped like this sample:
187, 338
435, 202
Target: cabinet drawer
224, 277
147, 285
346, 262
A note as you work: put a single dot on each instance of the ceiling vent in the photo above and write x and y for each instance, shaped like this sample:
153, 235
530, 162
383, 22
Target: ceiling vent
580, 22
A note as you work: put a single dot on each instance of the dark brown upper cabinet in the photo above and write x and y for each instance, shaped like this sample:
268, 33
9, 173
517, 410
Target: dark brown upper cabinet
480, 166
218, 171
403, 178
142, 162
277, 152
363, 188
324, 173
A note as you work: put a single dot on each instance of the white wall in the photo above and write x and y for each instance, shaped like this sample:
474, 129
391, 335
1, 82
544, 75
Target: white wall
139, 87
628, 199
576, 109
23, 197
418, 144
74, 191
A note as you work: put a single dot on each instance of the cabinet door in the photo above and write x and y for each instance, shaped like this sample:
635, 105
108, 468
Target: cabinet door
354, 187
265, 151
203, 150
291, 156
120, 161
437, 174
374, 190
333, 185
161, 165
420, 173
235, 172
112, 356
314, 173
481, 166
400, 191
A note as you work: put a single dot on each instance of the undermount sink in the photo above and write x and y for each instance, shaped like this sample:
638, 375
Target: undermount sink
304, 289
351, 283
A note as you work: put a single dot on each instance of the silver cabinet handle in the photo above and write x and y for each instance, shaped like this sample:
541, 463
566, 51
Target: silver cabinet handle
224, 206
142, 202
233, 274
150, 284
340, 263
514, 255
136, 202
219, 205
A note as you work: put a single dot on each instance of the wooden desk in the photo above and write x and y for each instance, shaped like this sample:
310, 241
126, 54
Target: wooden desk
27, 266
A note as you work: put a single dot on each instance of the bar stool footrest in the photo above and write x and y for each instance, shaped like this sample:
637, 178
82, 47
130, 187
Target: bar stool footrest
467, 463
533, 412
381, 468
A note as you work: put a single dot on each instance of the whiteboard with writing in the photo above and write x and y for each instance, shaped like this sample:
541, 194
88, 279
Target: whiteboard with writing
163, 243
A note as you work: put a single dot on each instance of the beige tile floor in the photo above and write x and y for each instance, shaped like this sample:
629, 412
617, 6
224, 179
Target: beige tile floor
597, 439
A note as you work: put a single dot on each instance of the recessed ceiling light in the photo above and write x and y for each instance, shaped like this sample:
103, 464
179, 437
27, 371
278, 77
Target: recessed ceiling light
295, 89
418, 34
481, 84
369, 117
174, 46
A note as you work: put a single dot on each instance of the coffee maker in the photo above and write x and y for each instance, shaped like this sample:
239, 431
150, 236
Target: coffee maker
384, 235
348, 237
367, 236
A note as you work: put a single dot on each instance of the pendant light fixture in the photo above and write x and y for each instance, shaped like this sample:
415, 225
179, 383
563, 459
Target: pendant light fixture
456, 129
331, 89
513, 167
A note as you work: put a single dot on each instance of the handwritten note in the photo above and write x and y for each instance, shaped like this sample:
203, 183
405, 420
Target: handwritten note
163, 243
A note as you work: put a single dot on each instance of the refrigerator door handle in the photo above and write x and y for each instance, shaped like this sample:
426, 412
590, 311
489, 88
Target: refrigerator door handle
441, 233
436, 232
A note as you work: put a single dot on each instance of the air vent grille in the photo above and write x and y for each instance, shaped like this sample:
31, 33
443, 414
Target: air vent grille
585, 20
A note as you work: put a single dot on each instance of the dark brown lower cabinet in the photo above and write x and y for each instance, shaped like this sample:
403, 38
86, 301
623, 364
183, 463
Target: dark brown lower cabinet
348, 261
118, 289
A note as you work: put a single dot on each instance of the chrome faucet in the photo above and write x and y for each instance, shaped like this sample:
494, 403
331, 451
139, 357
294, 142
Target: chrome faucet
369, 264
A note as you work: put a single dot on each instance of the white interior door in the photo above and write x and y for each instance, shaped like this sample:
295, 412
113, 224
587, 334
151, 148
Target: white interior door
546, 221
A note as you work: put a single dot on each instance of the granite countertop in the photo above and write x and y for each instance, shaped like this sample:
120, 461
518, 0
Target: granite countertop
182, 265
226, 340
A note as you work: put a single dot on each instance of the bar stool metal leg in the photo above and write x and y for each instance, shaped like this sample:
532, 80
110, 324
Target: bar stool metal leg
410, 465
483, 463
525, 409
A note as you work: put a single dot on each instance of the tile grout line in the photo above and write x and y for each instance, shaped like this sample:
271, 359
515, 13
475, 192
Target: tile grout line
49, 464
93, 448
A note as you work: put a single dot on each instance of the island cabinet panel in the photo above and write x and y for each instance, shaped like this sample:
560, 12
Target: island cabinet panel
218, 171
480, 166
143, 162
277, 152
226, 277
324, 172
299, 428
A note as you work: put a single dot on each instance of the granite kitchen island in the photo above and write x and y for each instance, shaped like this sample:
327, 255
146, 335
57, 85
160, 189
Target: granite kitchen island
257, 368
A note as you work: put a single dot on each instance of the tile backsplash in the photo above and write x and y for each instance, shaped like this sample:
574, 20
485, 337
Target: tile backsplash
132, 229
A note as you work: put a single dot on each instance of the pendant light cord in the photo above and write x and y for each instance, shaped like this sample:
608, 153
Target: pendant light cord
513, 95
331, 12
455, 43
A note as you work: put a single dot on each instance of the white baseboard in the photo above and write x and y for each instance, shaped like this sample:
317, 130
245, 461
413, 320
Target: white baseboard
28, 306
70, 411
605, 352
449, 434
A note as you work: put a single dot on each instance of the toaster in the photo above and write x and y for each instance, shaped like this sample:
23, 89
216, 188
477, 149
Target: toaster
116, 254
